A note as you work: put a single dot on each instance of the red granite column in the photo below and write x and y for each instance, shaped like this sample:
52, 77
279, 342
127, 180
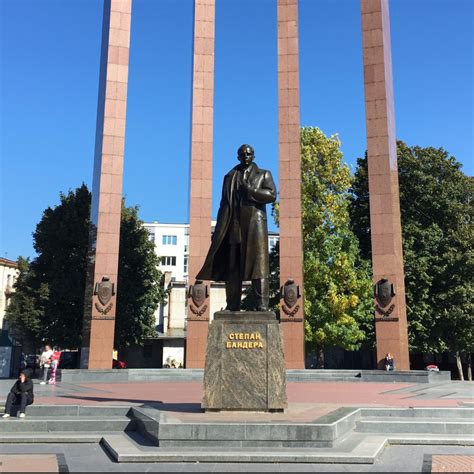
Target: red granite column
291, 248
201, 174
99, 313
387, 253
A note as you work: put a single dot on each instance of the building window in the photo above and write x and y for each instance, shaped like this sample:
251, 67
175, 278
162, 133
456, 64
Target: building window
272, 242
185, 267
186, 243
170, 240
151, 233
168, 261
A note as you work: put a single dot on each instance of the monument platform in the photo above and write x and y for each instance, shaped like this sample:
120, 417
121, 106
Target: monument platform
149, 434
326, 422
245, 368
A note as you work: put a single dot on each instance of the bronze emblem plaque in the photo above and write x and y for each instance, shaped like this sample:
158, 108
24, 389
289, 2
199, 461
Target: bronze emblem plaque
384, 292
290, 293
104, 290
198, 293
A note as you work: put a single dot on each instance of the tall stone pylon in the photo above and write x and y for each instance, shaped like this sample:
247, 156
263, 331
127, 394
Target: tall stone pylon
384, 199
291, 242
104, 234
200, 206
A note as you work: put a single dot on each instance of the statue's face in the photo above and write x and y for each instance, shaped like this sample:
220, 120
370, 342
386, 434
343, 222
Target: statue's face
246, 156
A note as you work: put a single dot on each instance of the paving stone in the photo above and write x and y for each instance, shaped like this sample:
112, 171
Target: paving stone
452, 463
29, 463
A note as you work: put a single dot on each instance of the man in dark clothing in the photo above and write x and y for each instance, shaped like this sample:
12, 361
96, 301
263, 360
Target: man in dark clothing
20, 394
239, 248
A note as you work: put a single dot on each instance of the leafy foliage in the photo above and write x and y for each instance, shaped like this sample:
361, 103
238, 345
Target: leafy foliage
60, 240
436, 201
27, 305
139, 282
338, 286
49, 300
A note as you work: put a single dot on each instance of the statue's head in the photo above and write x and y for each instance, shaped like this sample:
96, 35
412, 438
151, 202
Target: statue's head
245, 154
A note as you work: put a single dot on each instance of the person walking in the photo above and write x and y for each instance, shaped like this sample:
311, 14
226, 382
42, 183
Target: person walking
20, 394
54, 366
23, 362
45, 362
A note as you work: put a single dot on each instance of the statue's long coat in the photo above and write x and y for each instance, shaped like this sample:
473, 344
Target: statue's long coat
253, 228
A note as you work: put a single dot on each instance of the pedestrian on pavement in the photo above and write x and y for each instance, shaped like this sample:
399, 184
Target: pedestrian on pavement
20, 394
23, 362
45, 362
54, 365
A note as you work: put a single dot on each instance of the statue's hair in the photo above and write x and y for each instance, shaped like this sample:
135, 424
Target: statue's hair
242, 147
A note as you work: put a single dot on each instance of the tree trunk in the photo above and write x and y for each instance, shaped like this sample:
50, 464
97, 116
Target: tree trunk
459, 364
469, 367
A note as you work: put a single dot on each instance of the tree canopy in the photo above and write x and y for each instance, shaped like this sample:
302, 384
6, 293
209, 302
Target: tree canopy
436, 201
140, 290
338, 285
48, 303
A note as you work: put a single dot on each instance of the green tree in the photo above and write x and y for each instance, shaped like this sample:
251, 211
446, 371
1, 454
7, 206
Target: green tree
338, 286
49, 300
60, 240
140, 289
436, 211
26, 308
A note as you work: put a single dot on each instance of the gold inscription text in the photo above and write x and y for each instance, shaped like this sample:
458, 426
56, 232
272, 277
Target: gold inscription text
244, 340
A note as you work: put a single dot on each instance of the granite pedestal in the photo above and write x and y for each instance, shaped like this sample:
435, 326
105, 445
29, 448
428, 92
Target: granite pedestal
245, 368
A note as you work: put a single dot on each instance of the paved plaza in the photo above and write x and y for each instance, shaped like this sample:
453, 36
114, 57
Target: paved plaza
186, 395
91, 457
179, 401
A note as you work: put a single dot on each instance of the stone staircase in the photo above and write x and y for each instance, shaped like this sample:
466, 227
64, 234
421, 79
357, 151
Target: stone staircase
146, 434
450, 421
58, 421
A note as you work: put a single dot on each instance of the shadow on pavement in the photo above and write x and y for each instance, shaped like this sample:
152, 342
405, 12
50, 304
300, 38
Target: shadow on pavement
157, 404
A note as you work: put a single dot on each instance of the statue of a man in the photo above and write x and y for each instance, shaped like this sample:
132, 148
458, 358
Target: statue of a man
239, 248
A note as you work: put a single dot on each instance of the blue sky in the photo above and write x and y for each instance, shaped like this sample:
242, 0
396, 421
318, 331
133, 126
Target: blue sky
49, 80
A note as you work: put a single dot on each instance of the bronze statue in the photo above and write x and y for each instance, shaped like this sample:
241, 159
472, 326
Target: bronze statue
239, 248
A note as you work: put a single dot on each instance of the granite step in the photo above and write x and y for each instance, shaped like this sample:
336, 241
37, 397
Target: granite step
123, 449
42, 424
293, 375
356, 448
74, 410
392, 424
54, 437
461, 414
169, 432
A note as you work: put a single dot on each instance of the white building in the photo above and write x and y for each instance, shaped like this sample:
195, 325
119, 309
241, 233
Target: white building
172, 246
8, 274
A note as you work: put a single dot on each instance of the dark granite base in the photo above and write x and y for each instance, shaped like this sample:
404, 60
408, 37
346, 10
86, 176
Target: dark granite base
245, 367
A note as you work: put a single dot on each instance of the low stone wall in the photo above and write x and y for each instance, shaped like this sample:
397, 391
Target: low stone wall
308, 375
